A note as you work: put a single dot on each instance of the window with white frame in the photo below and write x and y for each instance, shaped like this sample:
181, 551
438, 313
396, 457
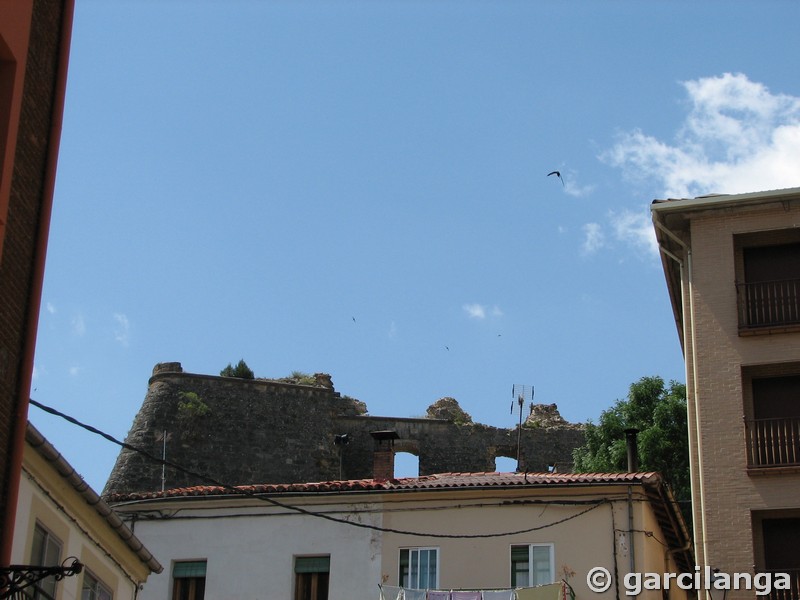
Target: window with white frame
45, 552
419, 568
531, 565
94, 589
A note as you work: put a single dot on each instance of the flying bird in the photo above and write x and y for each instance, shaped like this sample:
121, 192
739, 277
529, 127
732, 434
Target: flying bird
557, 174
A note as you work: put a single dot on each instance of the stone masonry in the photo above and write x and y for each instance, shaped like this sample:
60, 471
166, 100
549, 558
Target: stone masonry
251, 431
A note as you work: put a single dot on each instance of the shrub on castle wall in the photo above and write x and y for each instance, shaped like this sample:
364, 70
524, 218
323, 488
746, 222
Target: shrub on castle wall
241, 370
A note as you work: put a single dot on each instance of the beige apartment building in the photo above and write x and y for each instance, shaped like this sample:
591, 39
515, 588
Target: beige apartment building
732, 265
68, 543
499, 535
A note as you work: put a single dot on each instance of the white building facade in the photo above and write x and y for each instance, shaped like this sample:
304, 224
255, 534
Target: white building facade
470, 531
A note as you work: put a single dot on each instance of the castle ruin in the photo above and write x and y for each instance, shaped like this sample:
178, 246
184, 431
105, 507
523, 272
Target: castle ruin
253, 431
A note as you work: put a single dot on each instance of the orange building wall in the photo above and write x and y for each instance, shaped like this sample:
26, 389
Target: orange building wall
34, 47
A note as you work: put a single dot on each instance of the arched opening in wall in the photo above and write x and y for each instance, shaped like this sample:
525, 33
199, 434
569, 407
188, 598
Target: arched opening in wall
505, 464
406, 464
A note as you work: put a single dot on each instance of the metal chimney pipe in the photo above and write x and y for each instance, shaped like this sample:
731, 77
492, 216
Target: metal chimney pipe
633, 450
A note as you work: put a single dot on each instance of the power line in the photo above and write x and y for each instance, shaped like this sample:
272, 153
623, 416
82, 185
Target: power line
261, 497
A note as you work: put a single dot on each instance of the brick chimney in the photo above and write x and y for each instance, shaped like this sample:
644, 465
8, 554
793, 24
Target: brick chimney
383, 455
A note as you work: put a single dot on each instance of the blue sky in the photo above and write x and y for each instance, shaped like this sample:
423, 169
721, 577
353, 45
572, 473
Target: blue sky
361, 189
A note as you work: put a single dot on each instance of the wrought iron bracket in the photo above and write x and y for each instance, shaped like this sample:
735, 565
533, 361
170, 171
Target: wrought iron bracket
16, 578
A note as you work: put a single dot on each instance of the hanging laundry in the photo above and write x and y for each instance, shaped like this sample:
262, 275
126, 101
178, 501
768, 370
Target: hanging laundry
498, 595
390, 592
553, 591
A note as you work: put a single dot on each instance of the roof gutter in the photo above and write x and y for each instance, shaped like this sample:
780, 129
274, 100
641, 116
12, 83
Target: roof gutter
689, 341
723, 201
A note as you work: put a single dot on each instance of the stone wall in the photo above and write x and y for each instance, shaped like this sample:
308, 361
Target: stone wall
239, 432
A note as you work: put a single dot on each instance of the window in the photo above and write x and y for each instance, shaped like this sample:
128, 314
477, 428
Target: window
772, 418
311, 576
768, 280
531, 565
776, 397
779, 533
189, 580
46, 552
94, 589
419, 568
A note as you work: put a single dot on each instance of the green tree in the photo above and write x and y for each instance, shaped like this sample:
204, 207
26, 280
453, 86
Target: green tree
658, 411
241, 370
192, 406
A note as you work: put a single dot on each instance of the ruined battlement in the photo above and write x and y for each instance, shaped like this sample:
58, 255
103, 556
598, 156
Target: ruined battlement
248, 431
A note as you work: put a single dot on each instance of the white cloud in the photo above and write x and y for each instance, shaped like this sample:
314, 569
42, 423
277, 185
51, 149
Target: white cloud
635, 229
122, 329
738, 137
78, 325
480, 312
50, 307
74, 371
573, 188
594, 238
475, 311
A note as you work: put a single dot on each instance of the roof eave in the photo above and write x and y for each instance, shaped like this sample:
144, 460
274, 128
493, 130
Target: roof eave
48, 452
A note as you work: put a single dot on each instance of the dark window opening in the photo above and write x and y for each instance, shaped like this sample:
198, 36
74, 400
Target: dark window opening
312, 577
773, 435
770, 294
780, 553
189, 580
776, 397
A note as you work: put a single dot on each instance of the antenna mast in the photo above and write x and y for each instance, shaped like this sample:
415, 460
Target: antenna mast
520, 393
164, 438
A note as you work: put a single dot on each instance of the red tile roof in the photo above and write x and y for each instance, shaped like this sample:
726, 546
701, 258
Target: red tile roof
439, 481
667, 513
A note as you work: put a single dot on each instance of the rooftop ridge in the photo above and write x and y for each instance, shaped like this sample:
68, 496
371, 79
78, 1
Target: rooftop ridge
437, 481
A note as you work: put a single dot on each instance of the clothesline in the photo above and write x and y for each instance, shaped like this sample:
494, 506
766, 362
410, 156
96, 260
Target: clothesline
560, 590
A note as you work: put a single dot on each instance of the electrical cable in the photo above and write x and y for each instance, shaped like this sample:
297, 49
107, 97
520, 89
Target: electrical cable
303, 511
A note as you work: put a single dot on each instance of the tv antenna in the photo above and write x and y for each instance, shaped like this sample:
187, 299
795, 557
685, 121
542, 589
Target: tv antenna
520, 393
163, 438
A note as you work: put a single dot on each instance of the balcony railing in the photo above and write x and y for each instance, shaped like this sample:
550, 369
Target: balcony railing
773, 442
791, 594
769, 303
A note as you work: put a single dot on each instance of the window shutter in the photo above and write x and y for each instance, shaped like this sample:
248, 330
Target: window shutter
189, 569
312, 564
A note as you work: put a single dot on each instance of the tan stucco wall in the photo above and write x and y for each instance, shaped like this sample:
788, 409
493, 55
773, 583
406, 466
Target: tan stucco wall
580, 544
45, 497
